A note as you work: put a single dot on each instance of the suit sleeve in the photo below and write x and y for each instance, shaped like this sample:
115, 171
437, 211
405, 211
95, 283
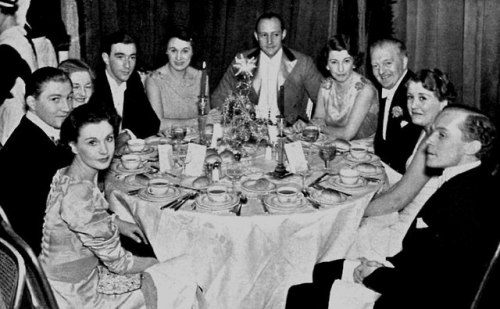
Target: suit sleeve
226, 85
312, 79
13, 66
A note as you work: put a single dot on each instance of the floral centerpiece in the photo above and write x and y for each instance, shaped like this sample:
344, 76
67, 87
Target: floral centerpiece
238, 111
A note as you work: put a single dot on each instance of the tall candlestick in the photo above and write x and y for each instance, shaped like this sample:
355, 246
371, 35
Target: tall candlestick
281, 100
203, 83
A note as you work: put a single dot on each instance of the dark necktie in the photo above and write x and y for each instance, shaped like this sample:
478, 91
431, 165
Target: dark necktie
381, 118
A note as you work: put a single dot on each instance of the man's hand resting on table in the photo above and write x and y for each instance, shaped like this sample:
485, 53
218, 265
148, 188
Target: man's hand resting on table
365, 269
130, 230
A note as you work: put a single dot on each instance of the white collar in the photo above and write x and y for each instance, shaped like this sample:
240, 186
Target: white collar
453, 171
275, 59
389, 93
51, 132
113, 84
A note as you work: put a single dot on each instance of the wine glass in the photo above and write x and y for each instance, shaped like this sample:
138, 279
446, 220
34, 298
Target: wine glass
310, 134
234, 172
178, 133
181, 159
306, 172
327, 153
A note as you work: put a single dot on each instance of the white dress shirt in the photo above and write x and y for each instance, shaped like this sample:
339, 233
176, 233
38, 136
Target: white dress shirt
388, 94
268, 97
51, 132
118, 93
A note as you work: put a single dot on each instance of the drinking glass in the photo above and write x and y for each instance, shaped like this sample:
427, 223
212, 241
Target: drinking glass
327, 153
181, 159
305, 173
310, 135
178, 133
234, 172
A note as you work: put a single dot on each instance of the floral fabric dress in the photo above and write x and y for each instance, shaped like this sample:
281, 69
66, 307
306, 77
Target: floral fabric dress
78, 235
179, 98
338, 107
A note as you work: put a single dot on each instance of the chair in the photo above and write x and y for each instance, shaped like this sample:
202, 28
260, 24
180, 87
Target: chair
13, 274
38, 291
487, 292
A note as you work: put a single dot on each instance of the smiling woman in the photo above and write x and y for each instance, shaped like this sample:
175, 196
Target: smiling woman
173, 89
82, 77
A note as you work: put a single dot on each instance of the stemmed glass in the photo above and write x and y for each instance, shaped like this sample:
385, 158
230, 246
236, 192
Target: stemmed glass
310, 135
181, 159
306, 172
327, 153
234, 172
178, 133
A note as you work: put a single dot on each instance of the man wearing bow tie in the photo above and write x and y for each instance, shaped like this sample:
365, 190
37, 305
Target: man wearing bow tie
277, 66
31, 156
389, 60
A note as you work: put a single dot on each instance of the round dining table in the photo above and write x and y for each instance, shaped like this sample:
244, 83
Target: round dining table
248, 258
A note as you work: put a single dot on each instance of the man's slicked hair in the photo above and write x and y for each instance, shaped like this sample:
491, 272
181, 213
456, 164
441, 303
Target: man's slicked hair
119, 36
270, 15
390, 41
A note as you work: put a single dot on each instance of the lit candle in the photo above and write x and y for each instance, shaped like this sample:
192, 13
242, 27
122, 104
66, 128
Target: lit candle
203, 84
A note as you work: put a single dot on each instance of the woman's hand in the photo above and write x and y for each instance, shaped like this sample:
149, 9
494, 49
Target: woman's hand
299, 125
130, 230
365, 269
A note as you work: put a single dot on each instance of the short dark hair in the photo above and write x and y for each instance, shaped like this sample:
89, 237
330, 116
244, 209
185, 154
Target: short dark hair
341, 42
477, 127
8, 7
390, 41
86, 114
436, 81
269, 15
119, 36
36, 82
182, 33
72, 65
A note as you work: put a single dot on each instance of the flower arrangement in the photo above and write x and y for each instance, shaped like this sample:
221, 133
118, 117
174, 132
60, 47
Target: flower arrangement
238, 111
396, 112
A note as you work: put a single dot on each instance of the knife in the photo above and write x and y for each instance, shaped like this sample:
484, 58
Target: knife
174, 202
318, 180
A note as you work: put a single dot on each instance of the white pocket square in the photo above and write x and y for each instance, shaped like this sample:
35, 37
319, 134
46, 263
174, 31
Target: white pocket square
403, 123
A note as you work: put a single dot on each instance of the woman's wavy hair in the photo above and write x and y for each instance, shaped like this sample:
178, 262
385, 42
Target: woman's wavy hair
340, 42
436, 81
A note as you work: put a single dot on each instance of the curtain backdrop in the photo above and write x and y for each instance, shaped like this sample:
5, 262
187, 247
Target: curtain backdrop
460, 37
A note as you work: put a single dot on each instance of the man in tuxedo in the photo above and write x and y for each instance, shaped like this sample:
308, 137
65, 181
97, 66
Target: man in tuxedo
118, 86
389, 60
31, 156
277, 66
447, 250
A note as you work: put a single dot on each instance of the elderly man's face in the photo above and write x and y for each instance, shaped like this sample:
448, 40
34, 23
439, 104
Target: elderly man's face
53, 104
388, 64
445, 146
270, 36
120, 63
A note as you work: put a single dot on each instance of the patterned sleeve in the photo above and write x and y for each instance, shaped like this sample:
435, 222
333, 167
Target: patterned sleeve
94, 226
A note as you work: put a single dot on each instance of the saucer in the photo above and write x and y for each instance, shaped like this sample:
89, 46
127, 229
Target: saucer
121, 169
203, 202
147, 153
368, 158
171, 194
335, 180
273, 202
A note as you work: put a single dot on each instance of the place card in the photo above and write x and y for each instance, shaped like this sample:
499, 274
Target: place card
296, 158
165, 157
195, 159
218, 133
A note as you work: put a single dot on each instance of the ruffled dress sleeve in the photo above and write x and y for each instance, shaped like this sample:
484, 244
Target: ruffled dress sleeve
84, 209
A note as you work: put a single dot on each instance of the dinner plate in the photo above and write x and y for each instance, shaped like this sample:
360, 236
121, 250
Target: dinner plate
171, 194
249, 185
204, 203
370, 157
335, 180
316, 195
299, 137
119, 168
377, 174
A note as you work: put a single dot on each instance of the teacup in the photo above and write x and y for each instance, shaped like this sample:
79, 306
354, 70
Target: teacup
348, 176
358, 151
158, 186
136, 144
217, 193
131, 161
287, 194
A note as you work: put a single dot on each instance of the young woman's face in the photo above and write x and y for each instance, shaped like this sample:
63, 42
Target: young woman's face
423, 104
95, 145
179, 54
340, 64
82, 87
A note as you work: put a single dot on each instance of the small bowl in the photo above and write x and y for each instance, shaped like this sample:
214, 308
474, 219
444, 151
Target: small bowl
358, 152
158, 186
348, 176
131, 161
287, 194
217, 193
136, 144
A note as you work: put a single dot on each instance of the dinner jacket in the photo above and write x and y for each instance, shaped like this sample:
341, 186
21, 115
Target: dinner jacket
28, 161
138, 114
441, 265
301, 82
389, 150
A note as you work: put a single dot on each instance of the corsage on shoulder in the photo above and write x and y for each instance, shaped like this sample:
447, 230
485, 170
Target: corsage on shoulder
327, 83
396, 112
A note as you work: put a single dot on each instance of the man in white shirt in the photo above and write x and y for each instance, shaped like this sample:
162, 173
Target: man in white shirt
277, 66
31, 156
389, 60
118, 86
